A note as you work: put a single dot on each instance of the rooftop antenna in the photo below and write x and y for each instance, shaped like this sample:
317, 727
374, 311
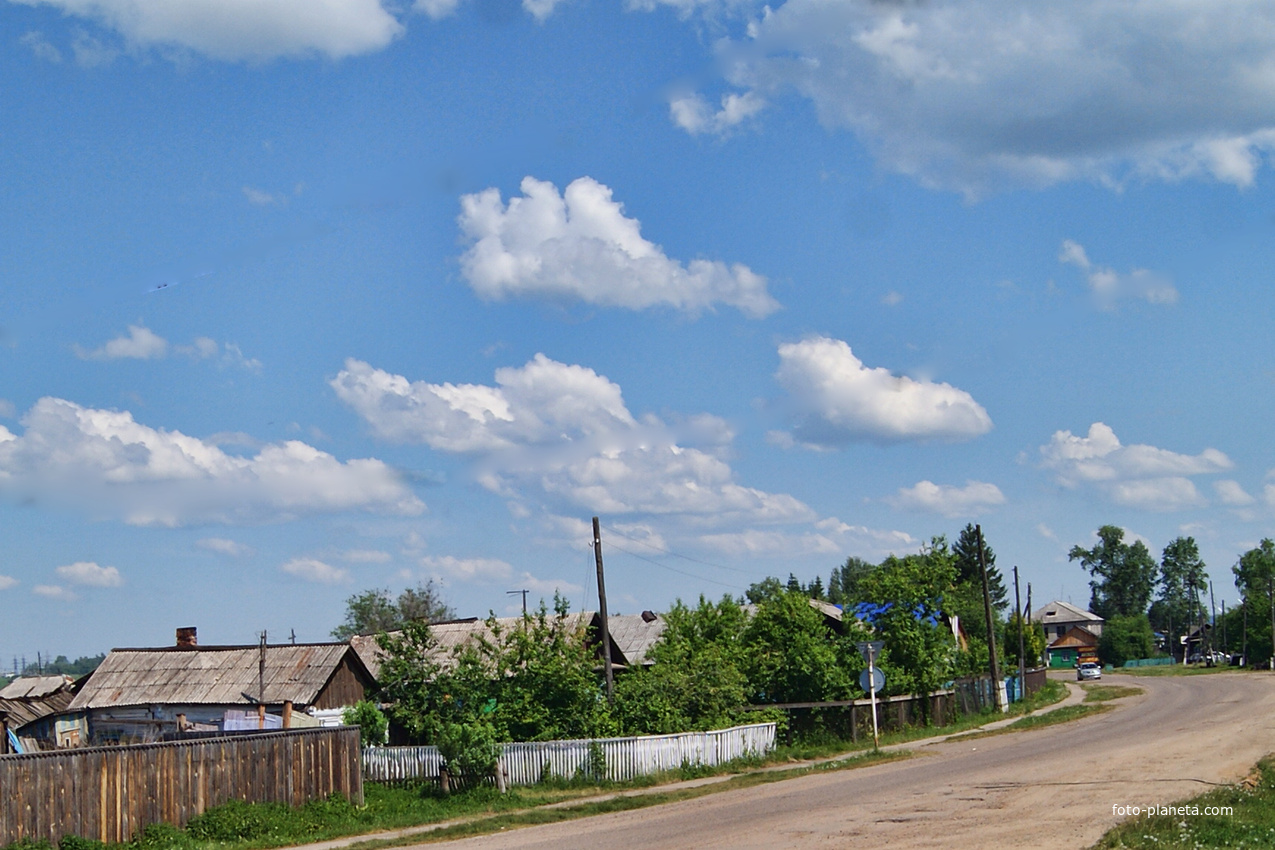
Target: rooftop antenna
524, 598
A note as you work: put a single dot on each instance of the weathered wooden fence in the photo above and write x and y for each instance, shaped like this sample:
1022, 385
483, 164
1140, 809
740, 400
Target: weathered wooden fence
111, 793
617, 759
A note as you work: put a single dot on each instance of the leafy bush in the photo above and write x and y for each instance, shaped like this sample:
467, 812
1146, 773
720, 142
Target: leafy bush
74, 842
371, 722
237, 820
469, 749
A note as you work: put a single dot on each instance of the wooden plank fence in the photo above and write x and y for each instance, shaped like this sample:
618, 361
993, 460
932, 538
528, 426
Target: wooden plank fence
111, 793
619, 759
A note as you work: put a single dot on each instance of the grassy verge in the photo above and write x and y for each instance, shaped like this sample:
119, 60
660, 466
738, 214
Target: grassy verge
1247, 819
1105, 693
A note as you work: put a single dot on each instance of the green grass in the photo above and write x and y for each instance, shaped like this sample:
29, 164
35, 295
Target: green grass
1105, 693
1251, 822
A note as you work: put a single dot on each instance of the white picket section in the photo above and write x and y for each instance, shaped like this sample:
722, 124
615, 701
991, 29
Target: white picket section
390, 764
625, 758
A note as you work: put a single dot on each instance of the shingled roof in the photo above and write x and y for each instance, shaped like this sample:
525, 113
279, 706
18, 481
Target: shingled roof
219, 675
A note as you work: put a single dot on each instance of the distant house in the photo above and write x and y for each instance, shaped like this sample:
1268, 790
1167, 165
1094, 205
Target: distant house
1057, 617
29, 707
1071, 633
141, 694
1074, 646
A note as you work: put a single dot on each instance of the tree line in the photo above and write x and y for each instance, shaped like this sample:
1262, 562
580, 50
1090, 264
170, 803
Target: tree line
1138, 596
717, 663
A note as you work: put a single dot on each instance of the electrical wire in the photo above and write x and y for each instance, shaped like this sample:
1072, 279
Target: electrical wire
675, 554
673, 569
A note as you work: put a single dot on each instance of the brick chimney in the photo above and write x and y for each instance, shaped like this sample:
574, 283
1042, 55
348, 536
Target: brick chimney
186, 638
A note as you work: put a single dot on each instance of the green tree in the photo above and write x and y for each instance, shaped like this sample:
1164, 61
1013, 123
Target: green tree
1125, 637
534, 680
695, 680
906, 595
1182, 578
1033, 642
965, 550
374, 611
1253, 576
844, 583
371, 721
767, 588
1123, 574
790, 655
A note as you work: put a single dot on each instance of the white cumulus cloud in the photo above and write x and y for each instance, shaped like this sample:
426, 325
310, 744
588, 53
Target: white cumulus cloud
580, 245
223, 546
977, 95
1109, 286
141, 344
467, 569
91, 574
1232, 493
692, 112
311, 569
7, 582
836, 399
243, 29
1137, 475
562, 431
111, 465
947, 500
54, 591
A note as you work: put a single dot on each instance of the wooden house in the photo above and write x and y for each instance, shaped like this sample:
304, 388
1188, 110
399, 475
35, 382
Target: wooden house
141, 694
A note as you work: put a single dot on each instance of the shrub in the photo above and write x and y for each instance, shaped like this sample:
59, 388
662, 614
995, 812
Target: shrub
371, 722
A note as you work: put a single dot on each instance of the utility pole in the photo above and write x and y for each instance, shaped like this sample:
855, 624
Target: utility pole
1270, 589
1244, 643
991, 630
1022, 658
261, 672
602, 605
1212, 622
1226, 647
524, 598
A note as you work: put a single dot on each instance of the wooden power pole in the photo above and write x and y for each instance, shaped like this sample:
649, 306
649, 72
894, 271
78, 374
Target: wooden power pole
602, 607
1022, 658
991, 629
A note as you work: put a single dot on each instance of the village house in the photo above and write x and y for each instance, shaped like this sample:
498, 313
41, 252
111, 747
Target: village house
29, 709
1071, 633
147, 694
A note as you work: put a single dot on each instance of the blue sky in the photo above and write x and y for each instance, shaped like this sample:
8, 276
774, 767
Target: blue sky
302, 299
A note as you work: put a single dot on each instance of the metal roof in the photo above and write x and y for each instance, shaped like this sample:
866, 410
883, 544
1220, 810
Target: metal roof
220, 675
1063, 612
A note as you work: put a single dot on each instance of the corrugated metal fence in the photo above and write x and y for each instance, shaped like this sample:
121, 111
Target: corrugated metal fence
111, 793
618, 759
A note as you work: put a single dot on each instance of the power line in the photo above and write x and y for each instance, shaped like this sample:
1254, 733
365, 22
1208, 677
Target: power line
613, 545
675, 554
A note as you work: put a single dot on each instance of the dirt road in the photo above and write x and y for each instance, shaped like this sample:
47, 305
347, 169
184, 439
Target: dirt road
1050, 788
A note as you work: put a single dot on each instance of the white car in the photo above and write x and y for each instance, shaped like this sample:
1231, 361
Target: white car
1088, 670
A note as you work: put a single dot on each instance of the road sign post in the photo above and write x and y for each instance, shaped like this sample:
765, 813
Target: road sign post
869, 649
